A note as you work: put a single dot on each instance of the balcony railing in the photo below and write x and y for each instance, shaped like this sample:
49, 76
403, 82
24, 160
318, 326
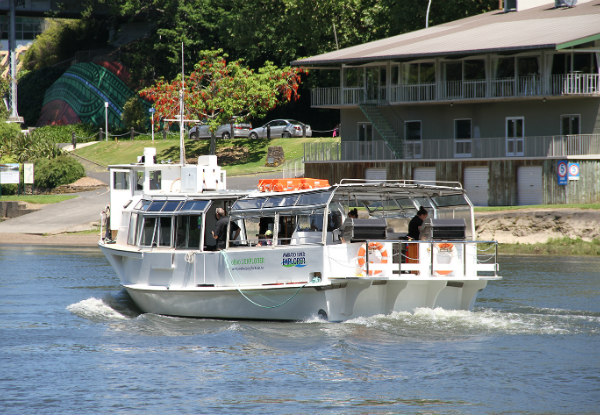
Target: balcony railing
524, 86
436, 149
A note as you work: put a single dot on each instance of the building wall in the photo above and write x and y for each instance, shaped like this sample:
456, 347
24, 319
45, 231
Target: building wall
488, 119
503, 177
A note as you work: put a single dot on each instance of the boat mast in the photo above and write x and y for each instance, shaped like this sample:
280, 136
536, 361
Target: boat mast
181, 124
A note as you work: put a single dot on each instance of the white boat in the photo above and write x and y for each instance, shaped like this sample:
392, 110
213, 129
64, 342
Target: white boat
317, 262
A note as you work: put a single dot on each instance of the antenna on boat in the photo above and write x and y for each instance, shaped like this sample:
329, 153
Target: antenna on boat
181, 124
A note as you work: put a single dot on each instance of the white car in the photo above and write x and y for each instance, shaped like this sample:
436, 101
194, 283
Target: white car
282, 128
224, 131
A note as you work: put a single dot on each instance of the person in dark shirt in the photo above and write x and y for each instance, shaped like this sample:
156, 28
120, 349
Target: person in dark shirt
220, 232
414, 226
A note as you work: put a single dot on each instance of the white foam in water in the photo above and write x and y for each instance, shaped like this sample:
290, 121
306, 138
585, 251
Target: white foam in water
470, 322
95, 309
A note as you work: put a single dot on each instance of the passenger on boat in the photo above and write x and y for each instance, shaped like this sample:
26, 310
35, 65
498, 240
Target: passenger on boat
220, 232
416, 224
353, 214
267, 240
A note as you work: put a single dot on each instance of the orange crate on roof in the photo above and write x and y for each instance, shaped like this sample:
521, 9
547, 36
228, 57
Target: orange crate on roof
287, 185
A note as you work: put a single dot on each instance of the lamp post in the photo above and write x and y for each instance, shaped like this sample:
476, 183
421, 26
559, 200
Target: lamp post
106, 119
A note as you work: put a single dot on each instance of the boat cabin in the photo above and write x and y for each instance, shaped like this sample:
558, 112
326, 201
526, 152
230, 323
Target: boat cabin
322, 216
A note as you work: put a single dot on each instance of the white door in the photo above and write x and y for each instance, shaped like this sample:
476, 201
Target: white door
515, 136
476, 184
424, 174
376, 174
529, 182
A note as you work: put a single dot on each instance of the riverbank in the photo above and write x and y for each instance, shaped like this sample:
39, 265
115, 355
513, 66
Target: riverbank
556, 231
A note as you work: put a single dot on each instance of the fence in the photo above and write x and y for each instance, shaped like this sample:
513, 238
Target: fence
486, 148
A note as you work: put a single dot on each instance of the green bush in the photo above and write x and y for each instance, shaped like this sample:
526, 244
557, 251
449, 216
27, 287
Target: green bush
136, 115
63, 133
9, 132
50, 173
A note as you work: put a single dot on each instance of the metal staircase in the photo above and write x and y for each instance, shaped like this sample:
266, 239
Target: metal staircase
383, 127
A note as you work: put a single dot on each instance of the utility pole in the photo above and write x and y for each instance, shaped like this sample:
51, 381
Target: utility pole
12, 46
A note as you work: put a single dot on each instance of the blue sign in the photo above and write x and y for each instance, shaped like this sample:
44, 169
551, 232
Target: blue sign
573, 171
151, 110
561, 170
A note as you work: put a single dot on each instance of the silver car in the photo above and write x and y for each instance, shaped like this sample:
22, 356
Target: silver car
224, 131
282, 128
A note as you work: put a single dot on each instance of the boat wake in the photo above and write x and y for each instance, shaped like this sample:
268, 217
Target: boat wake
110, 308
440, 322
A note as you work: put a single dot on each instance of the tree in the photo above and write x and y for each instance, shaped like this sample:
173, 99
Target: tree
217, 90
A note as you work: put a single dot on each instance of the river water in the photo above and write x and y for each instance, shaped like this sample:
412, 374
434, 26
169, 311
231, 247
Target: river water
71, 342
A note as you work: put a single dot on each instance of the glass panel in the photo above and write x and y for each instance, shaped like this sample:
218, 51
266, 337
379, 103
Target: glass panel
310, 222
462, 128
120, 180
171, 205
254, 203
194, 206
155, 181
156, 206
165, 231
139, 185
413, 130
148, 231
188, 230
281, 201
143, 204
311, 199
132, 229
450, 200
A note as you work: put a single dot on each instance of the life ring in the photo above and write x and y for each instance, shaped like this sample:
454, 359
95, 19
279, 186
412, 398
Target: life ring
445, 247
362, 251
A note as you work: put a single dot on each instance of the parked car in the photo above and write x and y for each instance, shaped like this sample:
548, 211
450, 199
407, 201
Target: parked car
224, 131
282, 128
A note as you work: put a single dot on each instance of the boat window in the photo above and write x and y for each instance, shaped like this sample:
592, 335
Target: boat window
312, 221
280, 201
253, 203
188, 230
131, 237
156, 206
423, 201
313, 199
120, 180
450, 200
143, 205
155, 176
171, 205
287, 224
148, 231
139, 184
164, 234
194, 206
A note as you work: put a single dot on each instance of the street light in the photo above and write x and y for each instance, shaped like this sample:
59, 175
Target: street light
106, 119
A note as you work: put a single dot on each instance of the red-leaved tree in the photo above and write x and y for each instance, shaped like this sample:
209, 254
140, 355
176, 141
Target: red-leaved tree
217, 91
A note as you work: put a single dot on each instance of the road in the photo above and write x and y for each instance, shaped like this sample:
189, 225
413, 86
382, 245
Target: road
83, 212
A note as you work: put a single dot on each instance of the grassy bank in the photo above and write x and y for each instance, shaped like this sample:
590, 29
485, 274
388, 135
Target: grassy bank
554, 247
38, 199
248, 156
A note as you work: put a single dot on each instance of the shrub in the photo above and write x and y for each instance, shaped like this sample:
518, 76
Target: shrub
50, 173
32, 88
135, 114
62, 133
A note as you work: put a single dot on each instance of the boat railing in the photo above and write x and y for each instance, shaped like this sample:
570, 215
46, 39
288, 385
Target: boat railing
441, 258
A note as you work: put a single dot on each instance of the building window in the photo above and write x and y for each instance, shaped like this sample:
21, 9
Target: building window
412, 137
462, 137
365, 131
569, 124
